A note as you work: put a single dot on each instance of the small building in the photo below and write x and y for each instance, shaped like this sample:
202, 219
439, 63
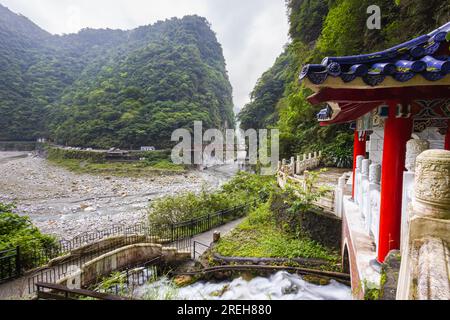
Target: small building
398, 103
148, 148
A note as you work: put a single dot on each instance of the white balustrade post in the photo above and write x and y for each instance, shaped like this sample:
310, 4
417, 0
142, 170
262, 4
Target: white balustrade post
365, 195
414, 148
375, 198
358, 170
298, 166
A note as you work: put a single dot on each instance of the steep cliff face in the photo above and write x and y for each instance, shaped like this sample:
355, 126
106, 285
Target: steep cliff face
330, 28
104, 88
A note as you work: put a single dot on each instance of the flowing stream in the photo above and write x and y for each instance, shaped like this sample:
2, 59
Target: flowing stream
280, 286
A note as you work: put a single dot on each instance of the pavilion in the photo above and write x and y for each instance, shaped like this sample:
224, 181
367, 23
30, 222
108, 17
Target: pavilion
389, 98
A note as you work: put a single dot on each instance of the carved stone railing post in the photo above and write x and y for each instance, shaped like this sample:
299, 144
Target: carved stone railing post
424, 273
414, 148
292, 167
339, 195
365, 195
298, 166
358, 171
375, 197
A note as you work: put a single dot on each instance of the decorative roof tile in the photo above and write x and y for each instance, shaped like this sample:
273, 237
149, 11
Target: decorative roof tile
402, 62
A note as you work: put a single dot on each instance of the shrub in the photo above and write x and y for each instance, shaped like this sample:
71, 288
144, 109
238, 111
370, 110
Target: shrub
340, 152
60, 154
245, 188
260, 236
17, 231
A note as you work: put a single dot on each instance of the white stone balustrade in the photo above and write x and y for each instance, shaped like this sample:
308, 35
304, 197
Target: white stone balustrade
297, 166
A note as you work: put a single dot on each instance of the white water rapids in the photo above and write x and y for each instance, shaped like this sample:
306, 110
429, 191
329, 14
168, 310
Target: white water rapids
280, 286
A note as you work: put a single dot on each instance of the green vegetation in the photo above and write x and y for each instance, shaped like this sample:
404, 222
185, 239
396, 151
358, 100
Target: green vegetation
245, 188
371, 291
17, 231
111, 88
272, 229
329, 28
259, 236
165, 289
91, 162
303, 197
125, 169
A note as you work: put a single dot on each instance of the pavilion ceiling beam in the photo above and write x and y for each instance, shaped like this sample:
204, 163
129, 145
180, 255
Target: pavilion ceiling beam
379, 94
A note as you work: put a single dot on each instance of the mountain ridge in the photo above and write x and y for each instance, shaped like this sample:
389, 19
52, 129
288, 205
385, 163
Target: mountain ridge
110, 87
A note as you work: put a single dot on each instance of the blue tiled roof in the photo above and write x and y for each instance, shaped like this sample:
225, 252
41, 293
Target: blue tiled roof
402, 62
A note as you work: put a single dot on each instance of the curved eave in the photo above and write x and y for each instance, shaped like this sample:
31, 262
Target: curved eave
389, 82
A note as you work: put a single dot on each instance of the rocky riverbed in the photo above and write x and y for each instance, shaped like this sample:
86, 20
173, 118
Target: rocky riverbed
66, 204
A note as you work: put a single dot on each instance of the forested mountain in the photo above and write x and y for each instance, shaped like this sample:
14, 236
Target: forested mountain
321, 28
111, 88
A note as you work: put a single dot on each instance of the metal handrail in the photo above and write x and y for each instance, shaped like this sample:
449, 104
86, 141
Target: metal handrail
175, 232
52, 295
195, 247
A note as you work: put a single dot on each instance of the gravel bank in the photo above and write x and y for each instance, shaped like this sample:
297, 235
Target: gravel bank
66, 204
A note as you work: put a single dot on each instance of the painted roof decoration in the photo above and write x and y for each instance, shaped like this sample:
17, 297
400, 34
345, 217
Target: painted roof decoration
403, 62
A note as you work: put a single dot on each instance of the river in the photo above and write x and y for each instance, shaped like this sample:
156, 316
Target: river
65, 204
279, 286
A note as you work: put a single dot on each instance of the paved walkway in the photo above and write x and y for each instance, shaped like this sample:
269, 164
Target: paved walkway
206, 238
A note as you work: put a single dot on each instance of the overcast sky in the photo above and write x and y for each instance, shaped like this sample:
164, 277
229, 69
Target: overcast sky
252, 32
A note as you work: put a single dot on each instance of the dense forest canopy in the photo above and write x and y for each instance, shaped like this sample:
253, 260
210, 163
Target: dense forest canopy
321, 28
111, 88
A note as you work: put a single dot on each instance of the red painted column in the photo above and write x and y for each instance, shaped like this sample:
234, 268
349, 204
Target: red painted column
397, 132
359, 149
447, 138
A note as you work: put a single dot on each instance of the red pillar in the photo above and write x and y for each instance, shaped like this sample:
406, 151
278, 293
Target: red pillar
359, 149
447, 138
397, 132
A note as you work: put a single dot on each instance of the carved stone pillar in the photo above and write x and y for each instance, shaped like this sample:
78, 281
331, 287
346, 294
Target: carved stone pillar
414, 148
339, 195
359, 149
424, 273
375, 173
358, 172
365, 195
375, 196
292, 167
432, 184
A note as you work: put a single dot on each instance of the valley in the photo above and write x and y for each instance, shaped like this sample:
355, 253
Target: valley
66, 204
